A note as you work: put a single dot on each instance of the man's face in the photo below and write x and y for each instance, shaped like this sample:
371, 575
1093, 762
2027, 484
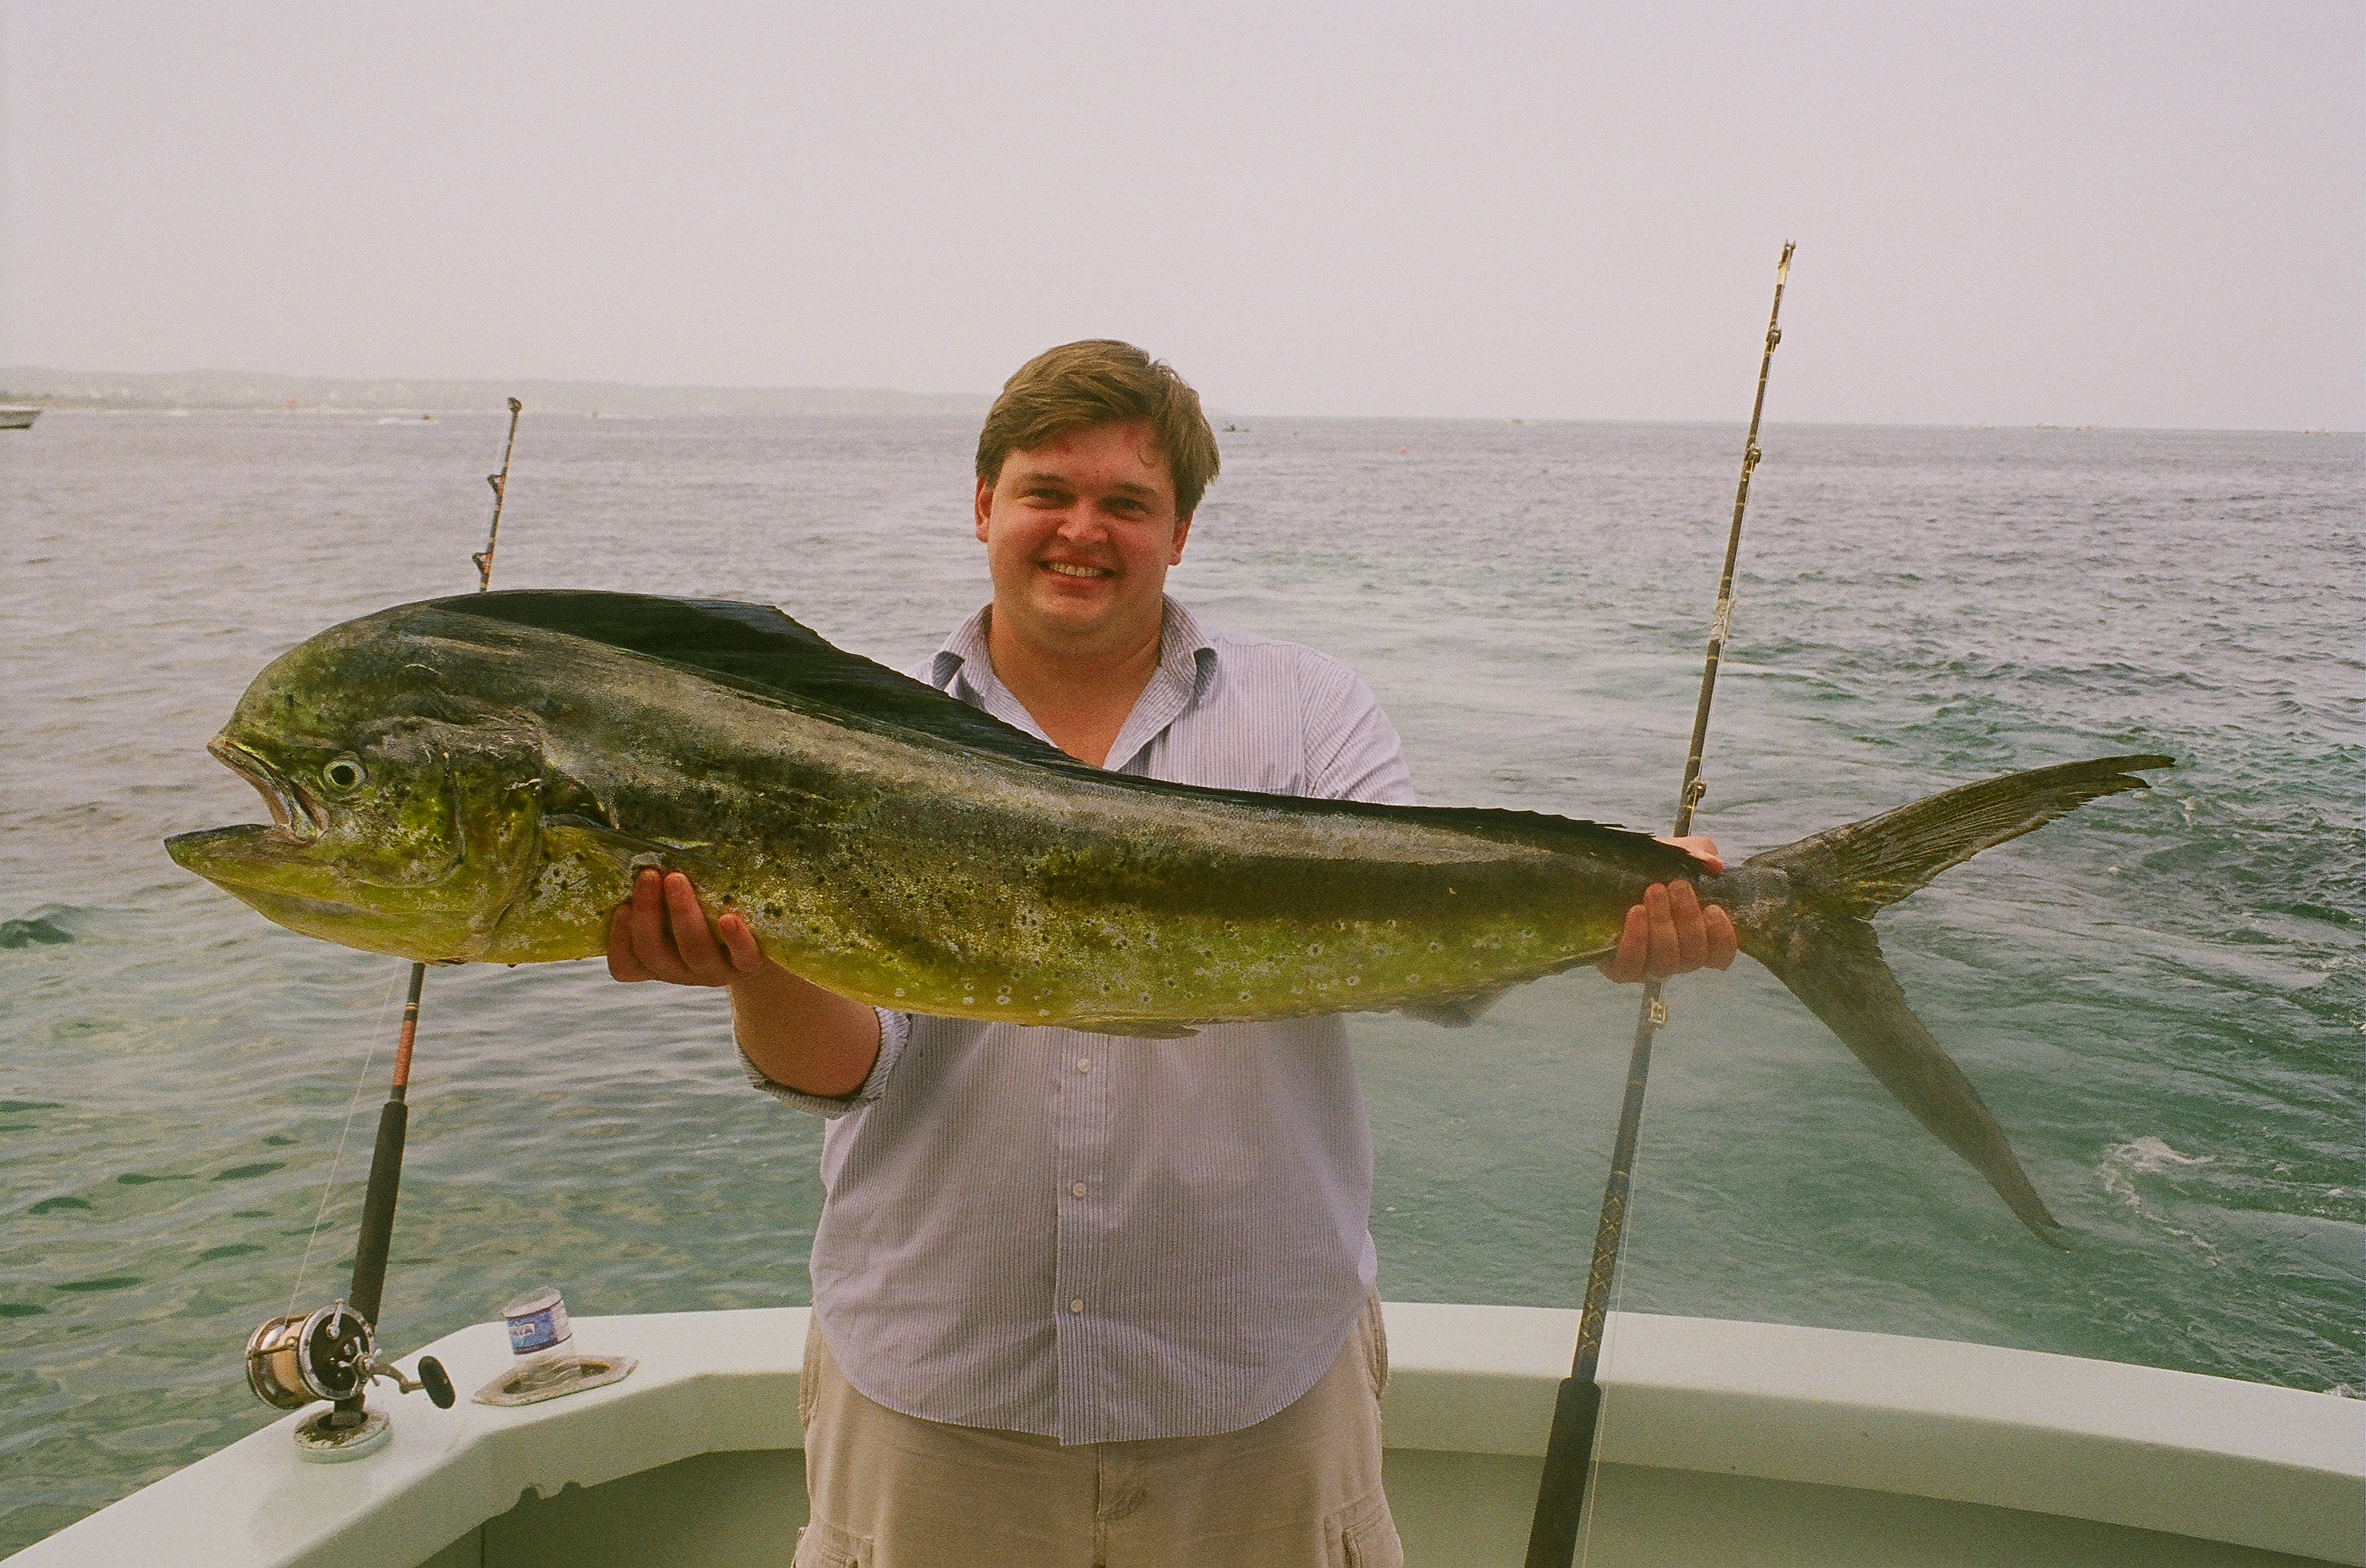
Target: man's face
1078, 535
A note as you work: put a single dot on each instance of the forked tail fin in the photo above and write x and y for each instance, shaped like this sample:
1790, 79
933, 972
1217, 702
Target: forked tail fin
1819, 943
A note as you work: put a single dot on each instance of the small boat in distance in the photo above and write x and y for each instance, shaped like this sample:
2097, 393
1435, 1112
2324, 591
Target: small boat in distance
19, 418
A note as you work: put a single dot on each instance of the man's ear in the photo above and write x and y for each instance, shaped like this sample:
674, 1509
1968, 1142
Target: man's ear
1182, 532
984, 507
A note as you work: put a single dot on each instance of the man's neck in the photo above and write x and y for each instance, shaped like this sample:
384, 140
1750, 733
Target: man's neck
1081, 696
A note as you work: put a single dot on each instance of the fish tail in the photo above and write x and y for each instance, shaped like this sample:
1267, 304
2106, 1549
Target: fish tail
1813, 930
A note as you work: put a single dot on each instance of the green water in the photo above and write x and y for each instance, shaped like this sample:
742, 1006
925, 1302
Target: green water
2162, 996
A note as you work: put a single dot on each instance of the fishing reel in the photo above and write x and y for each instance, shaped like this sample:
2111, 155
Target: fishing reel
330, 1353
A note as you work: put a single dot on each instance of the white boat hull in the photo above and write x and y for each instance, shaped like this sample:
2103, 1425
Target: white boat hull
1722, 1443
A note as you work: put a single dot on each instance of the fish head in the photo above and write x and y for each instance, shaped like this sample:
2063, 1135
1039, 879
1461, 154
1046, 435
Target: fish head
404, 815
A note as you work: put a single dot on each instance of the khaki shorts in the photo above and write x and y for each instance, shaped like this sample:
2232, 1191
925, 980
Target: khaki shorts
1300, 1489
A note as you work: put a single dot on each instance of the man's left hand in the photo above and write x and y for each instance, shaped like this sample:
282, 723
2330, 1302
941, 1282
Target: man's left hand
1669, 933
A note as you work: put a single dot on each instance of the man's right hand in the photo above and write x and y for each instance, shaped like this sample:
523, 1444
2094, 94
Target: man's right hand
661, 933
797, 1035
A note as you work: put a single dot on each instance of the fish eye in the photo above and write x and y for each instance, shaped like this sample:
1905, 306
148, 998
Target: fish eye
344, 773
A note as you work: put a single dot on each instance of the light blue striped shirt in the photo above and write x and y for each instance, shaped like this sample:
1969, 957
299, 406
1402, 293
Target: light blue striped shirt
1098, 1238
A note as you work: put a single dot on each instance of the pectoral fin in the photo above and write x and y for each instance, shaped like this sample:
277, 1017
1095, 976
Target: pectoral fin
565, 832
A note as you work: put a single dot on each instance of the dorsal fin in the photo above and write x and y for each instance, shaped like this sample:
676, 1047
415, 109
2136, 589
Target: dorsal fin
759, 650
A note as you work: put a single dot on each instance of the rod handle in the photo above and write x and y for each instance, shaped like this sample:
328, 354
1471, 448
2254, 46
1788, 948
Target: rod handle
1560, 1494
378, 1213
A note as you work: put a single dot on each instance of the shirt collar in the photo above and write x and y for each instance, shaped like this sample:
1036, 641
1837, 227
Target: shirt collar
1187, 658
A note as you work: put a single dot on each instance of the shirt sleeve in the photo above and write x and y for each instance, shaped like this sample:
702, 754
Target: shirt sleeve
1353, 752
894, 1033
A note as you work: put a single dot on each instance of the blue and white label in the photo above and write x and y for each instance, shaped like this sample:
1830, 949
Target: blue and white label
540, 1329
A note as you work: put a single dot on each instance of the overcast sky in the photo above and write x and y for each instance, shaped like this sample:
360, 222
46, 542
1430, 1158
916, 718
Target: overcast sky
2138, 214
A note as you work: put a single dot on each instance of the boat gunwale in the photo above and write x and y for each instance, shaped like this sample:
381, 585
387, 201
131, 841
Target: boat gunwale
2212, 1459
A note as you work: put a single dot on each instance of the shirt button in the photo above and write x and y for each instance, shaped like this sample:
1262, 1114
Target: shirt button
1075, 1303
1078, 1191
1084, 1064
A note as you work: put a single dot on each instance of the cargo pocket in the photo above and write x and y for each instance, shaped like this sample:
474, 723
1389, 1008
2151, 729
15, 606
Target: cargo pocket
1367, 1535
823, 1545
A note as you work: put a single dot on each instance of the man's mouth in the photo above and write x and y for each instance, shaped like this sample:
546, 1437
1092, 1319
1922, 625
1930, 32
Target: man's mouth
1072, 568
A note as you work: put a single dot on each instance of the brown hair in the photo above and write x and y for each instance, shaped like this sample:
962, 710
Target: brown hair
1101, 381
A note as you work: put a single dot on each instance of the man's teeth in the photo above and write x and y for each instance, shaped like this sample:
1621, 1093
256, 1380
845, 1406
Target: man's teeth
1064, 569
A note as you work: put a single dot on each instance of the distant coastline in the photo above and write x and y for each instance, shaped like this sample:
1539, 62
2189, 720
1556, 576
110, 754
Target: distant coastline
50, 386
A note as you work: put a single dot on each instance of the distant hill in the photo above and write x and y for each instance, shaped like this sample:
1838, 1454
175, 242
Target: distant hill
246, 389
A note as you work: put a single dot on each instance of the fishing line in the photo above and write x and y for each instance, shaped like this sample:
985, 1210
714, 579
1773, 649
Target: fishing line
329, 1187
1613, 1324
371, 1246
1562, 1490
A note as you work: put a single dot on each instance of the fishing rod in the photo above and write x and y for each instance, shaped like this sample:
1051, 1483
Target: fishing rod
331, 1353
1577, 1407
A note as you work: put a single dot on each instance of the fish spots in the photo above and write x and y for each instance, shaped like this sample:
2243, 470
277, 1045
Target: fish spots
1435, 947
52, 1205
1355, 979
899, 990
1313, 950
234, 1249
20, 1309
111, 1282
249, 1172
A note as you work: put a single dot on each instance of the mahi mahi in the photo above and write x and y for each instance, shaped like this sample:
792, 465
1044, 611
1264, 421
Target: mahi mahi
478, 779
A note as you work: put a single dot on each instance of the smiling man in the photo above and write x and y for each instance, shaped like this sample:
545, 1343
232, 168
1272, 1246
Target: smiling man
1087, 1298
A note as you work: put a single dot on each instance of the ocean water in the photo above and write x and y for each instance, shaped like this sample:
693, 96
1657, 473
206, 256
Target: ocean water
2163, 997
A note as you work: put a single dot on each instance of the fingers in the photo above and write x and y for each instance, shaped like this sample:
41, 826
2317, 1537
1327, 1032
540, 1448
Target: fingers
1671, 932
1627, 966
1701, 847
700, 956
623, 964
661, 933
1722, 945
747, 957
652, 940
1666, 951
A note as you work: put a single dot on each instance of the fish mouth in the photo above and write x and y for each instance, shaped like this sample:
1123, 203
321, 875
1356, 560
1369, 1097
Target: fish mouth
291, 814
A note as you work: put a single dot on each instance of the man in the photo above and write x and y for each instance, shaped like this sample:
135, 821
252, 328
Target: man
1081, 1299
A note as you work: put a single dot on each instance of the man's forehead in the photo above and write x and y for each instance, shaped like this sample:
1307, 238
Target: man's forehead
1132, 447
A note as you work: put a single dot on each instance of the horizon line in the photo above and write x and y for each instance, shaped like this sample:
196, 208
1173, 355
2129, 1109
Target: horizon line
285, 389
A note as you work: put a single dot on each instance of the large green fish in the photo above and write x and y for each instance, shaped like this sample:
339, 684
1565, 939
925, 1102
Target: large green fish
477, 779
